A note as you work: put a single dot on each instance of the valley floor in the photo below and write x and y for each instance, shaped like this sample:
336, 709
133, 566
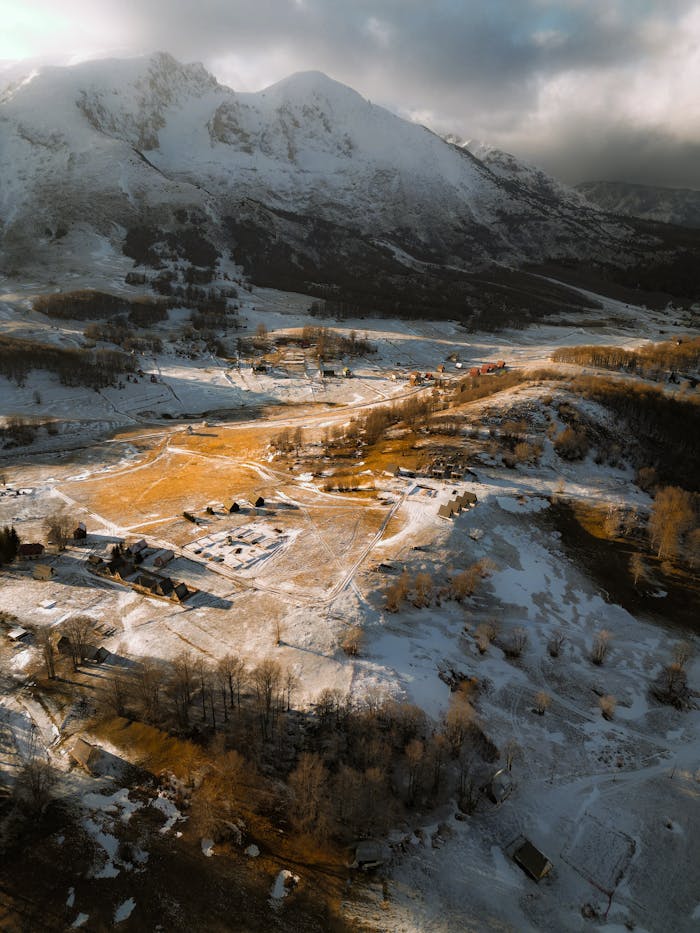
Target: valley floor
614, 804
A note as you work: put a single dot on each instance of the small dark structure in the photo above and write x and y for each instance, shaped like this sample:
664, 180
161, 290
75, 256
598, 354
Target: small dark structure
180, 592
260, 503
259, 367
532, 861
80, 533
234, 507
139, 546
448, 510
30, 551
101, 655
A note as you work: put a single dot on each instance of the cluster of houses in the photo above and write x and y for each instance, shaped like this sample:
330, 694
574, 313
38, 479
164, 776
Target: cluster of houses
125, 567
487, 368
458, 502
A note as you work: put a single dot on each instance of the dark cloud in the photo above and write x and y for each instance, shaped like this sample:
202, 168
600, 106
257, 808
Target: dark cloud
485, 68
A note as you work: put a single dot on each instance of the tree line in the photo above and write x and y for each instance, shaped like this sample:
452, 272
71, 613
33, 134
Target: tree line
74, 366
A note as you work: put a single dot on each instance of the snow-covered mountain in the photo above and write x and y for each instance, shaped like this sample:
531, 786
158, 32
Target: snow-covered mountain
304, 177
679, 206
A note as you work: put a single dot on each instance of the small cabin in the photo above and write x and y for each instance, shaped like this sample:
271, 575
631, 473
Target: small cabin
260, 503
474, 371
139, 546
234, 507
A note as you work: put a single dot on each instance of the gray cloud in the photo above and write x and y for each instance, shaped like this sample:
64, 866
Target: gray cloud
565, 83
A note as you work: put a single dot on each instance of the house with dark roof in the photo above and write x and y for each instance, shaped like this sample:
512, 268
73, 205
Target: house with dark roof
80, 532
30, 551
162, 558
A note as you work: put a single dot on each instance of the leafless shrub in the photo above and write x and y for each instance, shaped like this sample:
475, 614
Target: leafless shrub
485, 634
607, 706
542, 702
555, 644
601, 644
352, 641
517, 642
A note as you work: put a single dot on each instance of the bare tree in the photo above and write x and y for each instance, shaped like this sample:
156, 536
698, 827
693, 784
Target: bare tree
77, 630
672, 516
116, 694
637, 567
148, 683
291, 682
58, 527
48, 651
37, 776
308, 784
266, 679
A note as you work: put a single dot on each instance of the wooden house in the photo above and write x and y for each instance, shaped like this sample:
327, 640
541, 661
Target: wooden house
30, 551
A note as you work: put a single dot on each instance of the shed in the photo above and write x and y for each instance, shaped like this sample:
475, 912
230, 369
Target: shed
17, 633
447, 510
138, 546
260, 503
80, 533
85, 754
474, 371
43, 571
163, 557
234, 507
101, 655
30, 551
180, 592
532, 861
164, 586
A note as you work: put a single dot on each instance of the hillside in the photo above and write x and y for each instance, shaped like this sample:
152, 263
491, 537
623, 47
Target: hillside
306, 182
680, 206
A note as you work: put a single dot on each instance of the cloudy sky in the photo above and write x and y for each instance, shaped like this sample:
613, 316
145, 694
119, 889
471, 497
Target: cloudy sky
585, 88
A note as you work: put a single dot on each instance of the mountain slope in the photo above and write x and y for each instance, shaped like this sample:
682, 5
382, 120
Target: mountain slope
680, 206
308, 184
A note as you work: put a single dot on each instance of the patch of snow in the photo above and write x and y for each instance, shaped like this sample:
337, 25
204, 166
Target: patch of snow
253, 851
207, 847
124, 911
